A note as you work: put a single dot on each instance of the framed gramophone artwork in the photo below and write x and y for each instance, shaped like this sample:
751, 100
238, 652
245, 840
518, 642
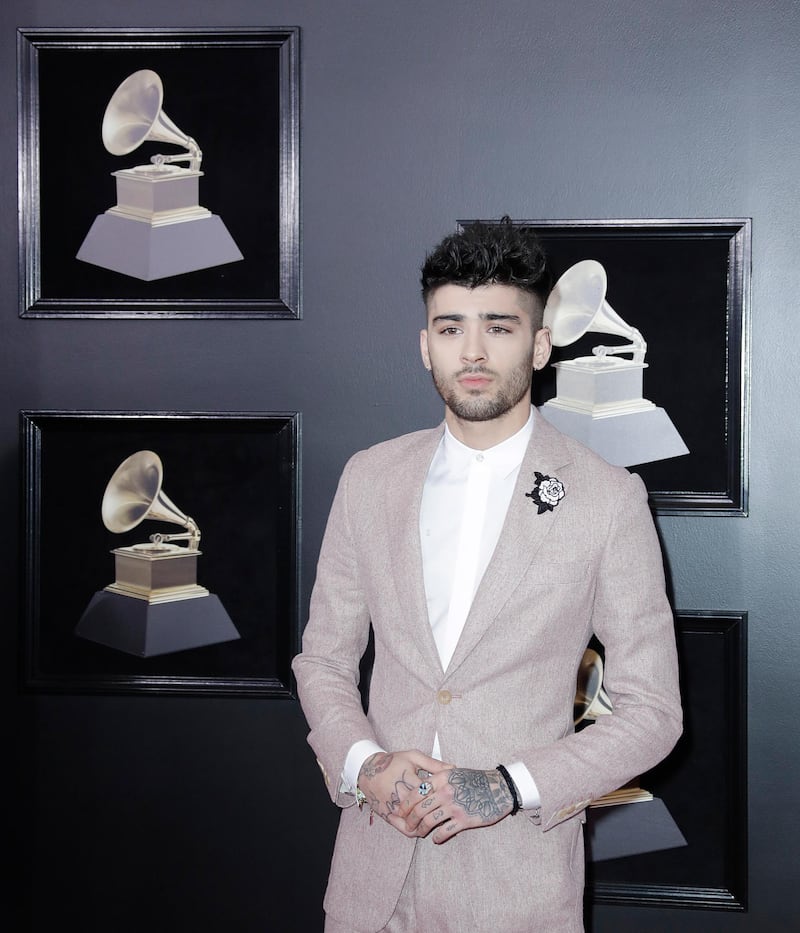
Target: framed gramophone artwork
160, 552
159, 173
701, 786
650, 363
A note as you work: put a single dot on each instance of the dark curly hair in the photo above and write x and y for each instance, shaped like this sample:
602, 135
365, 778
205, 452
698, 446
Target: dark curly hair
489, 254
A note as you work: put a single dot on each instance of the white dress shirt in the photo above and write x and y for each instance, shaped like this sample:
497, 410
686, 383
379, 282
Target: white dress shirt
464, 504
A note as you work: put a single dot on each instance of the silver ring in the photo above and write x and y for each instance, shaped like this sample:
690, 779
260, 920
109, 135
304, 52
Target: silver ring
425, 788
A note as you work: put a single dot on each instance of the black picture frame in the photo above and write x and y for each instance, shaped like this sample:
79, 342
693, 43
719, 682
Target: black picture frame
235, 473
236, 92
703, 782
685, 284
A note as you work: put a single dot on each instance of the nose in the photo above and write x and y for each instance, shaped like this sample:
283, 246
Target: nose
473, 349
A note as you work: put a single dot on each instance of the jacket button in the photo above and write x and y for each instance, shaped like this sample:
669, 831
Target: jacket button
444, 697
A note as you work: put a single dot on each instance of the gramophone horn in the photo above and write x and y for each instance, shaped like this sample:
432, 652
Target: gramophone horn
134, 494
591, 700
577, 305
134, 115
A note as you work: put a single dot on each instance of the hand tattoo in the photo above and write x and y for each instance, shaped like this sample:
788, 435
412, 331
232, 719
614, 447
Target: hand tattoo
374, 765
481, 794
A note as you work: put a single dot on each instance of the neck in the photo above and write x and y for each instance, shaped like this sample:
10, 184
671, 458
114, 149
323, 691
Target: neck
481, 435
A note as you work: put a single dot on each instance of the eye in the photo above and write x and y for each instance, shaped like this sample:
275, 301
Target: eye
450, 330
499, 329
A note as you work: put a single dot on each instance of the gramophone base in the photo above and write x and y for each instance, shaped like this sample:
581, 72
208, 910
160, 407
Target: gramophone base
146, 629
145, 251
593, 380
625, 438
631, 829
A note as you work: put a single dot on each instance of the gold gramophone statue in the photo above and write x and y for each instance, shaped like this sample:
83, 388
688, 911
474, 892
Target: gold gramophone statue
157, 227
615, 831
155, 605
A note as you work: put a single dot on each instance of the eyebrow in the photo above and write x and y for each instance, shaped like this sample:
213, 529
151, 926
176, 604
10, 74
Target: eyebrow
484, 316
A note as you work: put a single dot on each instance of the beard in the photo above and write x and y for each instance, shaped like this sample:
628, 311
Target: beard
482, 405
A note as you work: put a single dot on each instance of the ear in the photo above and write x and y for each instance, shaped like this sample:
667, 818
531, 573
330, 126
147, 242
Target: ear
423, 348
542, 347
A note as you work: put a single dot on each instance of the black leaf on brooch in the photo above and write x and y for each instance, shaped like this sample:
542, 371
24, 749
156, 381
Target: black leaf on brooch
547, 492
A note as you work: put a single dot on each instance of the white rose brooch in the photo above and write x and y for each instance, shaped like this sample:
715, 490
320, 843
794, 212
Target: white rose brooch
547, 492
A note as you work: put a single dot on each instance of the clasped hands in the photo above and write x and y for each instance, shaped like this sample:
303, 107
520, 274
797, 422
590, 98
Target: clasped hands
452, 799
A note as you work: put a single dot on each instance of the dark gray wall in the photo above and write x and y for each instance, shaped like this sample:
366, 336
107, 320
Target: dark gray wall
207, 814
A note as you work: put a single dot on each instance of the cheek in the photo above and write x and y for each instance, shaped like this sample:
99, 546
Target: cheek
517, 359
439, 358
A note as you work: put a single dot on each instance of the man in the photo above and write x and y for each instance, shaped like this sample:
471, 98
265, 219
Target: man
484, 554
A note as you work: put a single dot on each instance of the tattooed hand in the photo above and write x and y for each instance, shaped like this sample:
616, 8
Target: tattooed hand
388, 779
462, 798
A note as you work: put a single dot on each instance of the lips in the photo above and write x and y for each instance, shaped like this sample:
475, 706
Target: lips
474, 380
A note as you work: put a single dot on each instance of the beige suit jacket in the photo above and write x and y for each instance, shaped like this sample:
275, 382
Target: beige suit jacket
591, 566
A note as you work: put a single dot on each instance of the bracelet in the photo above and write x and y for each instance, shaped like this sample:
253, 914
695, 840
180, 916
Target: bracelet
515, 806
361, 799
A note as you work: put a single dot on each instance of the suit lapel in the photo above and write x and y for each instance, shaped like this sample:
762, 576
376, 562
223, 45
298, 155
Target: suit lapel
402, 528
523, 534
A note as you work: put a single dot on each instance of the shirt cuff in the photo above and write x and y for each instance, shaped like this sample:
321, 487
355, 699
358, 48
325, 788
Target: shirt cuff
528, 792
358, 754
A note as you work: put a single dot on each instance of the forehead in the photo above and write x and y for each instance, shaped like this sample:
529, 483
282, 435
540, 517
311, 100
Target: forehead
484, 299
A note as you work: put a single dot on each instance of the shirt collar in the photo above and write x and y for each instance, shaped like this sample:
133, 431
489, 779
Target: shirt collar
503, 458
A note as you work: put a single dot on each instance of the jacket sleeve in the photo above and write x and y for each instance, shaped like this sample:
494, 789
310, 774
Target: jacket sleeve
632, 618
335, 639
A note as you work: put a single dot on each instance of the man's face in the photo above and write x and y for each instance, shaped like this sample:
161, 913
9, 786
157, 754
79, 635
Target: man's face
481, 349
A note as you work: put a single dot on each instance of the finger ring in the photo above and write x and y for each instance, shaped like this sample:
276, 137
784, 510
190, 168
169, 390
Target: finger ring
425, 788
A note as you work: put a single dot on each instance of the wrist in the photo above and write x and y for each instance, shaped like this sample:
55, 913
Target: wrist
372, 772
512, 789
373, 764
356, 756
